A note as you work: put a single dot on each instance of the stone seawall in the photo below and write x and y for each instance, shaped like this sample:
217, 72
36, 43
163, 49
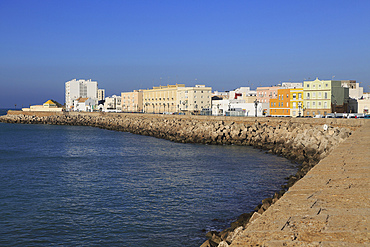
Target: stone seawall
302, 140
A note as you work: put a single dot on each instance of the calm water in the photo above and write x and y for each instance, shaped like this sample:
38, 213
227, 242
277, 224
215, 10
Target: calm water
86, 186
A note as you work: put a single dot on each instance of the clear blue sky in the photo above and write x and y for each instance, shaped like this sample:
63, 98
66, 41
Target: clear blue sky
127, 45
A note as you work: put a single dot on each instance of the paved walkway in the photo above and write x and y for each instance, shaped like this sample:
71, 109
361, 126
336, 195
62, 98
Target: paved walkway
330, 206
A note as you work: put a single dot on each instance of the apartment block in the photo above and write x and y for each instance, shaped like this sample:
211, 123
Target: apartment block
280, 106
321, 97
75, 89
161, 99
296, 102
132, 101
194, 99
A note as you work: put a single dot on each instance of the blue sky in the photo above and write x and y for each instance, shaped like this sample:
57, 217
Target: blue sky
127, 45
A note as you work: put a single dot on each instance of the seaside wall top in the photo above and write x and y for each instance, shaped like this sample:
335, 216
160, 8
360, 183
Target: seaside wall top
339, 122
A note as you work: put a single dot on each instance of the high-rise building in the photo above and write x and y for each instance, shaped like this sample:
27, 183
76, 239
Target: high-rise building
75, 89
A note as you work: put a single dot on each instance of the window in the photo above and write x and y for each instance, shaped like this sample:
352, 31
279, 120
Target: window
279, 104
319, 95
326, 95
308, 85
319, 104
272, 104
294, 113
299, 96
287, 96
294, 96
287, 104
294, 105
325, 105
313, 104
308, 95
308, 105
326, 85
313, 95
313, 85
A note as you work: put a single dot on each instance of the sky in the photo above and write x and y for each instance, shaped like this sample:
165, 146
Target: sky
126, 45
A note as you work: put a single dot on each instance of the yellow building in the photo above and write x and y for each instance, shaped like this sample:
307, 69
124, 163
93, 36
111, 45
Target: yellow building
47, 106
317, 96
132, 101
296, 102
161, 99
194, 99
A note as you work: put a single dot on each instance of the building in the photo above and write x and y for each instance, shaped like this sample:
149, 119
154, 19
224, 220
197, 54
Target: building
84, 104
280, 106
243, 93
161, 99
193, 99
236, 107
132, 101
75, 89
364, 104
101, 94
296, 102
264, 95
113, 104
48, 106
321, 97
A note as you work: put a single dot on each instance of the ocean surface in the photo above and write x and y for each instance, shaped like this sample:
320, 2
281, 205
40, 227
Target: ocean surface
84, 186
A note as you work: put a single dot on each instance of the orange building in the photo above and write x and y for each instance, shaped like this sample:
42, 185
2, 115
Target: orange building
280, 106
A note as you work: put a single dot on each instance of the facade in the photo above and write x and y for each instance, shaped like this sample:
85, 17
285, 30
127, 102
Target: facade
292, 84
161, 99
113, 104
280, 106
75, 89
317, 97
194, 99
48, 106
132, 101
296, 102
321, 97
264, 95
84, 104
236, 107
101, 94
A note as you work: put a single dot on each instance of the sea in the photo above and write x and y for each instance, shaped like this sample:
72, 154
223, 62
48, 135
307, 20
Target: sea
86, 186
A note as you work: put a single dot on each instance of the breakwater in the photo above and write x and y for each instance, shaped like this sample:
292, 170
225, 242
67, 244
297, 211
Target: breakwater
305, 141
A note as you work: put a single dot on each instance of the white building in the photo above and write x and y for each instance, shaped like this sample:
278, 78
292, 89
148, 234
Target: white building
113, 104
193, 99
236, 107
292, 85
75, 89
84, 104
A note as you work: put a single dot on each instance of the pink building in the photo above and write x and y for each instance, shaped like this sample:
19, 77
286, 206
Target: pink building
264, 94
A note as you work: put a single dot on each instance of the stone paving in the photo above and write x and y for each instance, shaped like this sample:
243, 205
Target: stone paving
330, 206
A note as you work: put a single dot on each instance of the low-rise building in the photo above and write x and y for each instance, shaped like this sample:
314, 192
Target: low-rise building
132, 101
193, 99
321, 97
113, 104
296, 102
84, 104
161, 99
48, 106
280, 106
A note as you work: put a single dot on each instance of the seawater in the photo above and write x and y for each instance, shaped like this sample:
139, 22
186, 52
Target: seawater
84, 186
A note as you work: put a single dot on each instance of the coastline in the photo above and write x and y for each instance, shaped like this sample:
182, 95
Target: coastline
305, 142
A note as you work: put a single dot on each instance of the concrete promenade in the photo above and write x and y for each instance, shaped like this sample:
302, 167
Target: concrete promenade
330, 206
